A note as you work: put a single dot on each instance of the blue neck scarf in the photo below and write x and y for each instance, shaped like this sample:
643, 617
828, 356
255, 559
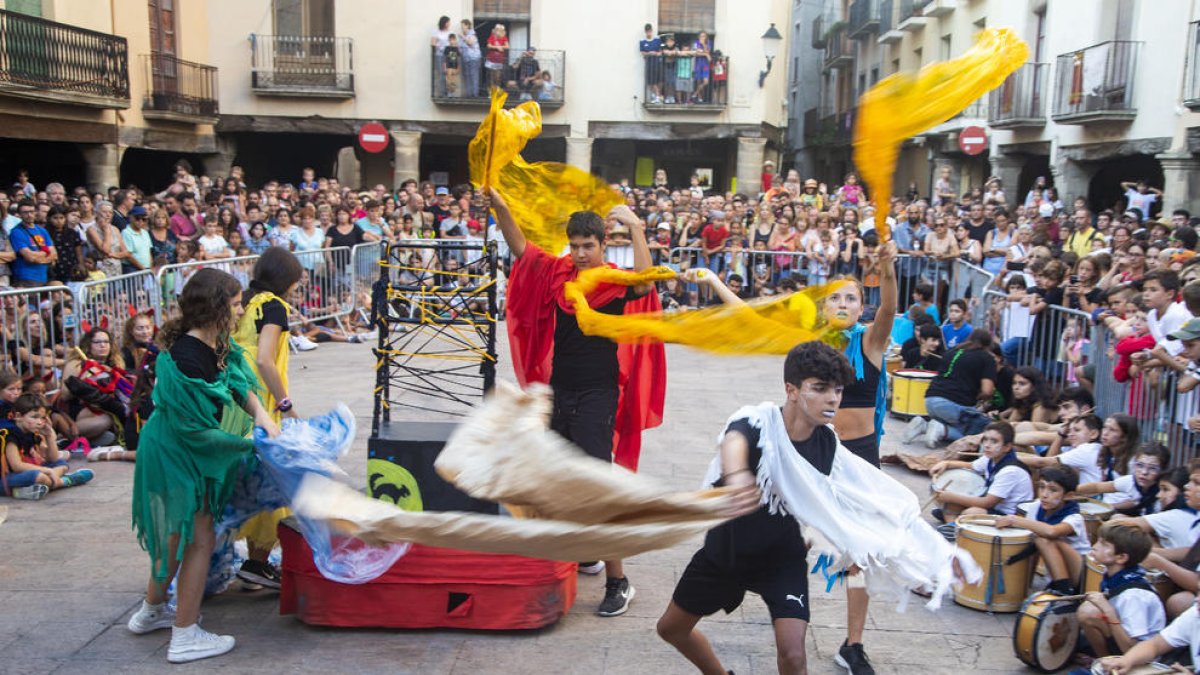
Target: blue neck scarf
1109, 460
1123, 578
854, 352
1009, 459
1067, 509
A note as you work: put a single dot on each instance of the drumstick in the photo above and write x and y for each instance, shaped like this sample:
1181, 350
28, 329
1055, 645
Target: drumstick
1058, 598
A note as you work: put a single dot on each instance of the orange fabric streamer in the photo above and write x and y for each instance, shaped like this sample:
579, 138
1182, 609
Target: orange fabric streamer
771, 326
541, 195
903, 105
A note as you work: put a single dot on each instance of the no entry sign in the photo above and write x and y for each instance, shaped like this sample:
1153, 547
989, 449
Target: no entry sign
373, 137
973, 140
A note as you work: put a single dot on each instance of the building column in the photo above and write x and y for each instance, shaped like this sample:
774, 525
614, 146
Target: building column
349, 169
220, 163
751, 152
1181, 183
407, 159
103, 165
579, 152
1008, 169
1071, 178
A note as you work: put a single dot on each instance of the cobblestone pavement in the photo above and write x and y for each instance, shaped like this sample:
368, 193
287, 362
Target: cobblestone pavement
71, 573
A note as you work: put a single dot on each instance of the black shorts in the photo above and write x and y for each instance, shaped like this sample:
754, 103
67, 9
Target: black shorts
866, 447
705, 588
586, 417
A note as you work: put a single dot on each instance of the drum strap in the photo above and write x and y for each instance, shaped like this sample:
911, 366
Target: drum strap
996, 584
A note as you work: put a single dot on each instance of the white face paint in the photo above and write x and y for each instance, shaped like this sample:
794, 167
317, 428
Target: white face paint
816, 400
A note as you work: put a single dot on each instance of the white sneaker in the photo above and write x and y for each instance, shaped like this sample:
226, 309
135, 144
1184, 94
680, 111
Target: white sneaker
302, 344
194, 643
592, 568
916, 427
934, 434
150, 618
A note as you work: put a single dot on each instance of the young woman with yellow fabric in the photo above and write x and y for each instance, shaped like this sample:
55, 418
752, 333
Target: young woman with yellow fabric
263, 332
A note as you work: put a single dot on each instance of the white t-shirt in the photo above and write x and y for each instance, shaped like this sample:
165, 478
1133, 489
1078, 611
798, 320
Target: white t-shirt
1126, 491
1078, 540
1141, 613
211, 245
1184, 631
1011, 484
1175, 528
1171, 321
1084, 459
1140, 201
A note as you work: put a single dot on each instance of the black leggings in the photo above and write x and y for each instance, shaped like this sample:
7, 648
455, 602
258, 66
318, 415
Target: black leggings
866, 447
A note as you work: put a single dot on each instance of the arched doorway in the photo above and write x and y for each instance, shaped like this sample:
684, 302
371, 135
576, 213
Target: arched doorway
1104, 190
1034, 166
46, 162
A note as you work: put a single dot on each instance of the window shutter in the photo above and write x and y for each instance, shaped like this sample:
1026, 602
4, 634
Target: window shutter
501, 9
686, 16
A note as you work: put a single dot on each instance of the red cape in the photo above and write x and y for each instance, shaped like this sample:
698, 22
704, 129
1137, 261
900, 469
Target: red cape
535, 287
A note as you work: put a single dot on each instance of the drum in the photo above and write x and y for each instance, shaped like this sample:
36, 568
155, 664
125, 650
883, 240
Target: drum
1154, 668
908, 391
1093, 572
1003, 587
959, 481
1046, 632
1094, 512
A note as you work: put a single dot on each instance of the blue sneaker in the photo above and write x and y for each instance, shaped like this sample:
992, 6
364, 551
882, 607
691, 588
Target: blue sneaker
77, 477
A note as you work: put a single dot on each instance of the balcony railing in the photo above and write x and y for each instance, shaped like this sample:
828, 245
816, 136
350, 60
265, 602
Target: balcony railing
912, 14
1191, 96
51, 61
888, 32
823, 128
818, 33
178, 89
1096, 84
523, 79
976, 110
839, 50
1020, 101
302, 65
672, 84
864, 17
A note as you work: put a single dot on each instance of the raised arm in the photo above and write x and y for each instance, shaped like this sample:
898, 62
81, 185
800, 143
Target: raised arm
880, 330
703, 276
513, 236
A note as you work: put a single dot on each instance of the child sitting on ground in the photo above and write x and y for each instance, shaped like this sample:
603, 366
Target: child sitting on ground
1170, 489
956, 329
1184, 631
1006, 478
1060, 533
35, 465
1083, 453
1173, 526
1135, 494
1125, 610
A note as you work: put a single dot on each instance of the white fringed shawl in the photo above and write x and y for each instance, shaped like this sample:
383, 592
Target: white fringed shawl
865, 517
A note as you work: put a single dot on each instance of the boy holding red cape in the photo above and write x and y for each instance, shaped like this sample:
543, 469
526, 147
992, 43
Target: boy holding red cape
605, 394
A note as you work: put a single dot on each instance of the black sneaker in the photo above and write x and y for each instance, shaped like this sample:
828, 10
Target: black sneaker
854, 659
617, 596
259, 574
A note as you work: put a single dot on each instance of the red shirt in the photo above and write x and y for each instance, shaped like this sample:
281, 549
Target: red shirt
713, 236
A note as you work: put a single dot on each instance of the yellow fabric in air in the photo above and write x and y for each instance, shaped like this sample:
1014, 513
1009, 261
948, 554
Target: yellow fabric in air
771, 326
541, 195
903, 105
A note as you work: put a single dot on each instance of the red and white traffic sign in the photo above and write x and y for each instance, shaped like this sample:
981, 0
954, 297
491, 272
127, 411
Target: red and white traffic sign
973, 140
373, 137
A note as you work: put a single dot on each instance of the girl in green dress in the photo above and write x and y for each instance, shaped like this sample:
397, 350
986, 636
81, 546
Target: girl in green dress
189, 454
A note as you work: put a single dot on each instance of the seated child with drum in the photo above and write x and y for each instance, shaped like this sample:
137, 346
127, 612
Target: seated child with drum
1183, 569
1006, 480
1083, 454
1184, 631
923, 351
1125, 610
1044, 437
1057, 524
1176, 528
1136, 493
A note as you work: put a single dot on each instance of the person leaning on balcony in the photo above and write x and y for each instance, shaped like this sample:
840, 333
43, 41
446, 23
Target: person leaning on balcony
439, 41
472, 56
651, 48
497, 55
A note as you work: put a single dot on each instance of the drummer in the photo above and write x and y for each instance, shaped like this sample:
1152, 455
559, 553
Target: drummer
1125, 610
1135, 494
1176, 529
1184, 631
1083, 454
1007, 479
1060, 533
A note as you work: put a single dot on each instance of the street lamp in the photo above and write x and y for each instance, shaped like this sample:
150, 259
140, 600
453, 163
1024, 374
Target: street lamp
771, 40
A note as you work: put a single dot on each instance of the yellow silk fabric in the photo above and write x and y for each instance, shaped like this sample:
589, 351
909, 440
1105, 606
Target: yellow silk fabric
771, 326
903, 105
542, 195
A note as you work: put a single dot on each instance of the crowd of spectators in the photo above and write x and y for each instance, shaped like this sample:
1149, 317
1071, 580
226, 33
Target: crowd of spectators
465, 67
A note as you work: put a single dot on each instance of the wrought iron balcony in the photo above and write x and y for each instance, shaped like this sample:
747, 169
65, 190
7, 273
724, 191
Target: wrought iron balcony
864, 18
818, 32
52, 61
1095, 84
824, 128
1191, 95
1020, 101
179, 90
888, 32
666, 91
524, 80
302, 65
839, 50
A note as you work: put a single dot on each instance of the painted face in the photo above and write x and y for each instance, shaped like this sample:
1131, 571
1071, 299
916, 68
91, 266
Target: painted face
816, 399
1191, 491
1050, 494
992, 445
143, 330
1104, 553
1110, 434
1079, 434
586, 252
843, 307
1146, 470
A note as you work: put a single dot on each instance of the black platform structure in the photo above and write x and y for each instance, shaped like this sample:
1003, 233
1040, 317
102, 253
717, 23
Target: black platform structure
435, 307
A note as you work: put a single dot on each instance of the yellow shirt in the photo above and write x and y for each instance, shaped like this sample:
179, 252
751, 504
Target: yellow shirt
1080, 241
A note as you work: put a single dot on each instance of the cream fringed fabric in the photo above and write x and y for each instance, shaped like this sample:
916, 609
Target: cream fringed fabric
862, 516
581, 508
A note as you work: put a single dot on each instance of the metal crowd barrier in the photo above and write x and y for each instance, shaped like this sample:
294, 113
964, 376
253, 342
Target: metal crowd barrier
170, 280
36, 348
325, 291
111, 301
